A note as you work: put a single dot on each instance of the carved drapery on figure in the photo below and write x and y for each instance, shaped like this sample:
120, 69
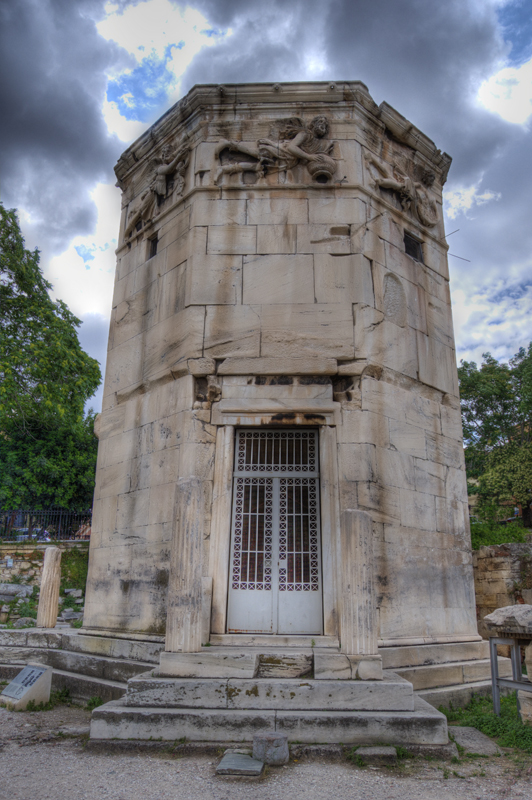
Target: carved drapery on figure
413, 195
166, 176
297, 143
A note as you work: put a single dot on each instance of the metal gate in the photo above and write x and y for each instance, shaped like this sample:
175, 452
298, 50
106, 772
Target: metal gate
275, 572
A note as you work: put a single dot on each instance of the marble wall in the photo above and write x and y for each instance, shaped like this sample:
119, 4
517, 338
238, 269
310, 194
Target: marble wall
281, 295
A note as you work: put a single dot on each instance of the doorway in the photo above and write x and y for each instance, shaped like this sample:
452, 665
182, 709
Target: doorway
275, 568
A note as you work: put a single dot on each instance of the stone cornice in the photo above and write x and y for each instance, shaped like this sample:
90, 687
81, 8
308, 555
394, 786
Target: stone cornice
183, 116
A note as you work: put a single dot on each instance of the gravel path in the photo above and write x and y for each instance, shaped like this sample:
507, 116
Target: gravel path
42, 756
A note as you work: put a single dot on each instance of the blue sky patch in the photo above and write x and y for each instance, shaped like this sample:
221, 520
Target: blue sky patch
516, 21
86, 253
143, 90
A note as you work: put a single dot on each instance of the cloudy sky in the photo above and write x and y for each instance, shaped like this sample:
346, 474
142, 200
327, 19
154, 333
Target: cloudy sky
81, 79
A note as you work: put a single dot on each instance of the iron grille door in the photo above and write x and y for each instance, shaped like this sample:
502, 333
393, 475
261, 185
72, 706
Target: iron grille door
275, 571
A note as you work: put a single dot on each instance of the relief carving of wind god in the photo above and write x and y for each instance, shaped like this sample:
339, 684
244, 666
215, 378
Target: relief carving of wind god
413, 195
166, 175
297, 143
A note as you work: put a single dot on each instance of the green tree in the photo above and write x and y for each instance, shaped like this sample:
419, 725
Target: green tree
496, 404
47, 447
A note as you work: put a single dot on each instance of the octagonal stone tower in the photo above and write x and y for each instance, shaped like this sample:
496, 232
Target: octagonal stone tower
280, 442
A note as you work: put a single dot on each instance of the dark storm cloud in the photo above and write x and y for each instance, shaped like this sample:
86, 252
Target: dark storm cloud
54, 144
426, 59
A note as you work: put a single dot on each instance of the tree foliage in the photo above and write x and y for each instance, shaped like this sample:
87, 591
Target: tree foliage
47, 448
497, 421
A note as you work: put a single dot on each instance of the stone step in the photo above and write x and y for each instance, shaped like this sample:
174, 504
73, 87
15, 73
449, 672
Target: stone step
457, 696
92, 666
275, 640
31, 637
69, 639
81, 687
391, 694
129, 649
459, 672
424, 725
426, 654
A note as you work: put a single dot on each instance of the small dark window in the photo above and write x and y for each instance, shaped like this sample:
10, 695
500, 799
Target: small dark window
413, 247
152, 247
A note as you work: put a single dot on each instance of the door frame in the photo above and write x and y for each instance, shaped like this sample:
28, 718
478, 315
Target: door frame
276, 607
220, 534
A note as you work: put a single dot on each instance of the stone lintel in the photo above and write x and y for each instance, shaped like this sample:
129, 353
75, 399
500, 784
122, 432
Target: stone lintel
277, 412
278, 366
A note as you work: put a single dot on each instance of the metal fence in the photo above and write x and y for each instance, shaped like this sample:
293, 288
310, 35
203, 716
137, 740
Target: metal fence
44, 526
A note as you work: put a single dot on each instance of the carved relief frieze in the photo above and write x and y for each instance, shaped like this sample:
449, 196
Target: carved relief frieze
292, 142
412, 190
163, 178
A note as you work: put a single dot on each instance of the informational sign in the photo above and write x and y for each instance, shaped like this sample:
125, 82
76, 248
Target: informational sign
24, 681
32, 685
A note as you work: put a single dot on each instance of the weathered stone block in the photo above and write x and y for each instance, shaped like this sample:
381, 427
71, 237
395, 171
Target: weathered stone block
277, 211
278, 279
430, 477
395, 469
311, 365
418, 510
382, 342
232, 331
366, 667
377, 756
407, 438
232, 239
239, 764
439, 321
331, 666
363, 426
208, 665
382, 502
271, 748
214, 280
437, 365
357, 462
324, 239
278, 239
307, 330
218, 212
341, 278
336, 211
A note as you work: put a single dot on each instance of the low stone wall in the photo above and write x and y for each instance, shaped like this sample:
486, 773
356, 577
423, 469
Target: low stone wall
28, 560
503, 577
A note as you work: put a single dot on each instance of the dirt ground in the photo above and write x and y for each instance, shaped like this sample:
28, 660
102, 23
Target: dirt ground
43, 755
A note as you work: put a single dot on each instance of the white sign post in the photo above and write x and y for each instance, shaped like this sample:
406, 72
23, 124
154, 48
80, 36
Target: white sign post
34, 682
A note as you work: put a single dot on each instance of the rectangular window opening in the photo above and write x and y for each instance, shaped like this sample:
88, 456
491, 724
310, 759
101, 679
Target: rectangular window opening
152, 247
413, 247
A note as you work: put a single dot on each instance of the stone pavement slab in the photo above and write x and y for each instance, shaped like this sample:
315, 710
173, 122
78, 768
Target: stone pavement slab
474, 741
239, 764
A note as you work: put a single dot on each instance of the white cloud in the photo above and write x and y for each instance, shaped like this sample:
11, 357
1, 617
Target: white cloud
126, 129
509, 93
491, 318
158, 28
464, 198
86, 286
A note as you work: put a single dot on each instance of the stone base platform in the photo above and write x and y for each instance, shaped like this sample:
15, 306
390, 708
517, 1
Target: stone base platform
422, 726
390, 694
236, 707
90, 664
